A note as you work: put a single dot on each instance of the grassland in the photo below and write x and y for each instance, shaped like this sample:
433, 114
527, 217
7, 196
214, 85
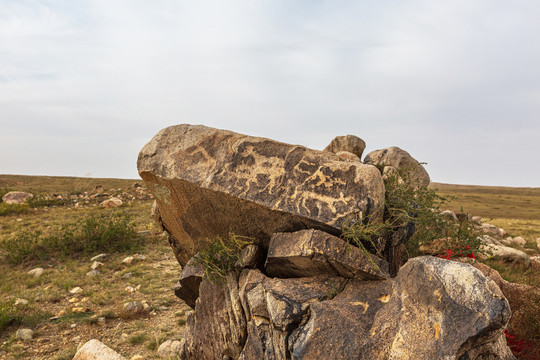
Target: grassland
515, 209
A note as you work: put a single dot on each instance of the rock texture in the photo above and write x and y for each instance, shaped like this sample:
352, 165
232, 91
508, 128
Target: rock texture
433, 309
16, 197
496, 249
349, 143
210, 182
96, 350
395, 158
312, 252
187, 287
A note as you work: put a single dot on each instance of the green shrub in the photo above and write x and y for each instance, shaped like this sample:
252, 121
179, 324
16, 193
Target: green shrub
9, 209
6, 315
407, 205
220, 256
113, 232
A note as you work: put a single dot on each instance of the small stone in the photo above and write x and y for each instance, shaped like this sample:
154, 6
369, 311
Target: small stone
76, 290
101, 320
80, 309
98, 257
113, 202
76, 339
96, 265
20, 302
143, 233
518, 240
137, 357
127, 275
128, 260
169, 348
130, 289
37, 272
502, 232
73, 300
24, 334
73, 326
92, 273
95, 349
61, 313
135, 308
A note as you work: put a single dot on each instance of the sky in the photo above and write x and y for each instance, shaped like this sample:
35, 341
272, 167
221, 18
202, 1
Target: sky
85, 84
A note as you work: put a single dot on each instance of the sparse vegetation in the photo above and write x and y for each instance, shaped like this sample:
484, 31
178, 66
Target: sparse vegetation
409, 206
220, 255
111, 232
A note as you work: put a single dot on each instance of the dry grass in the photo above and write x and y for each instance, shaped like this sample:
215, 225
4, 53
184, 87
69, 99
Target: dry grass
494, 202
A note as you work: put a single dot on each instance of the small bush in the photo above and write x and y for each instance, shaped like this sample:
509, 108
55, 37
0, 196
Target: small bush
6, 315
408, 206
220, 256
43, 201
137, 339
9, 209
112, 232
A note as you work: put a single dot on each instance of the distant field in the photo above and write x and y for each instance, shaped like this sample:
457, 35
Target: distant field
494, 202
60, 184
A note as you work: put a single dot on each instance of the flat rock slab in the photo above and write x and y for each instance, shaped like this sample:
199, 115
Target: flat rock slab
209, 182
313, 252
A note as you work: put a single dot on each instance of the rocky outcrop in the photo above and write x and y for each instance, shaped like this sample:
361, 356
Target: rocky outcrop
16, 197
433, 309
299, 291
393, 158
209, 182
348, 143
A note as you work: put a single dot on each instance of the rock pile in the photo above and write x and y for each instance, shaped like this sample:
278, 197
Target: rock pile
300, 291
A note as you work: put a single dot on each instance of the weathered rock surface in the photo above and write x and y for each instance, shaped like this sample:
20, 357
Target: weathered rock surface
111, 203
187, 287
350, 143
24, 334
312, 252
274, 307
433, 309
397, 158
518, 295
96, 350
496, 249
217, 327
440, 309
169, 348
209, 182
518, 240
16, 197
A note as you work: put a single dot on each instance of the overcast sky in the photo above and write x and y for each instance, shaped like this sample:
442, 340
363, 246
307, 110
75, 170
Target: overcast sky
85, 84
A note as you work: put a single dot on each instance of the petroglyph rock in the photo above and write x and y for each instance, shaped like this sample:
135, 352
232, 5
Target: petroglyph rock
209, 182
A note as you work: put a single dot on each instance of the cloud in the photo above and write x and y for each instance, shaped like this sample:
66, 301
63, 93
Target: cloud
447, 81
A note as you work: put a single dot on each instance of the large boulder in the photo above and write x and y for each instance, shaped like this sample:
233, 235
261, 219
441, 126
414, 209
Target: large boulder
16, 197
433, 309
349, 143
394, 158
312, 252
209, 182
